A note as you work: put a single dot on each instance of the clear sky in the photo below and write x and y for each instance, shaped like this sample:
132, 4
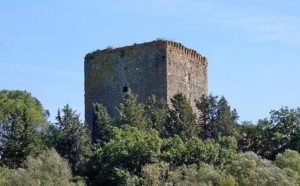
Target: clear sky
253, 47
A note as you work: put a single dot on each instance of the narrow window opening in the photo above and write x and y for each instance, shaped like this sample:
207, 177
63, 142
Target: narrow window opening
125, 89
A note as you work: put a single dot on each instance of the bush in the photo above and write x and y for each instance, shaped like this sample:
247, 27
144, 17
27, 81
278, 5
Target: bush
5, 176
46, 169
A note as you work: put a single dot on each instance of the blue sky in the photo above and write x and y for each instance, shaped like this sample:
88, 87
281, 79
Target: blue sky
253, 47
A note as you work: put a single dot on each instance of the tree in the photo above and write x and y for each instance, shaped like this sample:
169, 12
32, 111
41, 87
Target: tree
289, 160
174, 150
250, 169
131, 112
227, 118
273, 135
181, 119
73, 141
203, 174
46, 169
199, 151
128, 150
216, 118
208, 118
21, 123
156, 113
102, 124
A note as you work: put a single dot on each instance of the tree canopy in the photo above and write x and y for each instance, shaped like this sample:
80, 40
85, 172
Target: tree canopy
152, 143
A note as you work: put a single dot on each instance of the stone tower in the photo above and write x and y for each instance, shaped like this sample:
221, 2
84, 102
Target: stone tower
161, 68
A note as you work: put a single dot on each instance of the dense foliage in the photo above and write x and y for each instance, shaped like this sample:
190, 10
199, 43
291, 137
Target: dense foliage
147, 144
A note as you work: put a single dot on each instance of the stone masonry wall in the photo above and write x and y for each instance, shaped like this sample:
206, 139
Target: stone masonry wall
110, 73
187, 73
161, 68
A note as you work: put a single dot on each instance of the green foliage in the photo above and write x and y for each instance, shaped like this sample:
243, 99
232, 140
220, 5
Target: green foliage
199, 151
73, 141
46, 169
217, 118
131, 112
194, 151
181, 119
51, 135
274, 135
156, 113
133, 153
128, 150
5, 176
16, 101
155, 174
102, 124
205, 175
250, 169
227, 151
173, 150
289, 160
21, 124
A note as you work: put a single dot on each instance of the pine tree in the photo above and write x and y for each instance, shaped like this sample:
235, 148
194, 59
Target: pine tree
227, 118
156, 113
73, 141
102, 124
207, 105
216, 118
131, 112
181, 119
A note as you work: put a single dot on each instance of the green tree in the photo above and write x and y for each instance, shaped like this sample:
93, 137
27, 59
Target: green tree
289, 160
102, 124
227, 150
177, 152
207, 105
124, 155
203, 174
201, 151
181, 119
227, 118
73, 141
250, 169
216, 118
46, 169
273, 135
174, 150
131, 112
156, 113
21, 123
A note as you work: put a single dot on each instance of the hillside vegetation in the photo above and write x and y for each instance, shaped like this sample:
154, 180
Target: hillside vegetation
147, 144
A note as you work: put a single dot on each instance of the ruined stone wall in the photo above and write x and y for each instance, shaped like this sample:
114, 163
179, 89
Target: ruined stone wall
161, 68
187, 73
110, 73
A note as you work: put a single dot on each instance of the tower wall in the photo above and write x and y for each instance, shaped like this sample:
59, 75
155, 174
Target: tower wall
186, 73
110, 73
161, 68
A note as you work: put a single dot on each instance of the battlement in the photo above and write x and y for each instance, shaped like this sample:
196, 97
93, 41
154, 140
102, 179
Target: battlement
188, 52
191, 53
